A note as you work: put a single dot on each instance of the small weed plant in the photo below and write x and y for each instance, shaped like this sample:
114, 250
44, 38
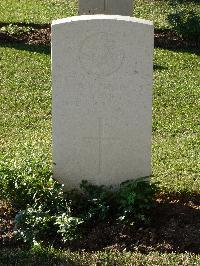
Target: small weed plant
130, 202
44, 211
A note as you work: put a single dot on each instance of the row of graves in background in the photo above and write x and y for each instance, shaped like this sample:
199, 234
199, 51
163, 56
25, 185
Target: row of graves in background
102, 94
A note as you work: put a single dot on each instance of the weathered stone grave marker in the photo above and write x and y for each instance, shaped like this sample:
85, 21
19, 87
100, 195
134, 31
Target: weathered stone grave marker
111, 7
102, 99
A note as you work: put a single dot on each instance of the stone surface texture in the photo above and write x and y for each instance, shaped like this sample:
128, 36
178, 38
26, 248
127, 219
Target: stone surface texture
112, 7
102, 99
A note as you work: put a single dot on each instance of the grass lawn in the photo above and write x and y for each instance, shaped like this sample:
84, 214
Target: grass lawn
157, 11
175, 121
25, 83
38, 11
25, 123
50, 256
42, 11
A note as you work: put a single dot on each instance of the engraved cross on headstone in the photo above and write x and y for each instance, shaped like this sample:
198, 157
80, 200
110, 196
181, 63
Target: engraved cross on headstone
105, 5
110, 7
100, 139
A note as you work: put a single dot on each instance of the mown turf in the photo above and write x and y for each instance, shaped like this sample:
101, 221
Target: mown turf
176, 125
50, 256
158, 10
25, 101
38, 11
42, 11
25, 83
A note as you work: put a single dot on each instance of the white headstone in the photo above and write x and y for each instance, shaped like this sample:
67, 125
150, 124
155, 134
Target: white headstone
112, 7
102, 99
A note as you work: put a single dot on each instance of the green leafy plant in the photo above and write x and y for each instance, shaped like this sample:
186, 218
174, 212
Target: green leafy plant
59, 214
25, 184
49, 215
68, 226
35, 224
42, 209
135, 199
130, 202
45, 211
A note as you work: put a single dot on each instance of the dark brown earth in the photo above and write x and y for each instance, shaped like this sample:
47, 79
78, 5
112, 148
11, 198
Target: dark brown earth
175, 227
7, 215
41, 35
37, 36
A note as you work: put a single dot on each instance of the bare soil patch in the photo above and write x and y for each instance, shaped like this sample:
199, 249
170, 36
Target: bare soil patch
37, 36
41, 35
6, 223
168, 39
175, 227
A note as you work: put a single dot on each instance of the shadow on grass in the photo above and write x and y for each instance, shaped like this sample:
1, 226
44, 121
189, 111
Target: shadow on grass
46, 49
174, 227
169, 40
38, 40
180, 2
24, 24
159, 67
190, 50
38, 48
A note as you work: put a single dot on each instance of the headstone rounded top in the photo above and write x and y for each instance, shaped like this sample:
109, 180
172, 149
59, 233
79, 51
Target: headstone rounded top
101, 17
